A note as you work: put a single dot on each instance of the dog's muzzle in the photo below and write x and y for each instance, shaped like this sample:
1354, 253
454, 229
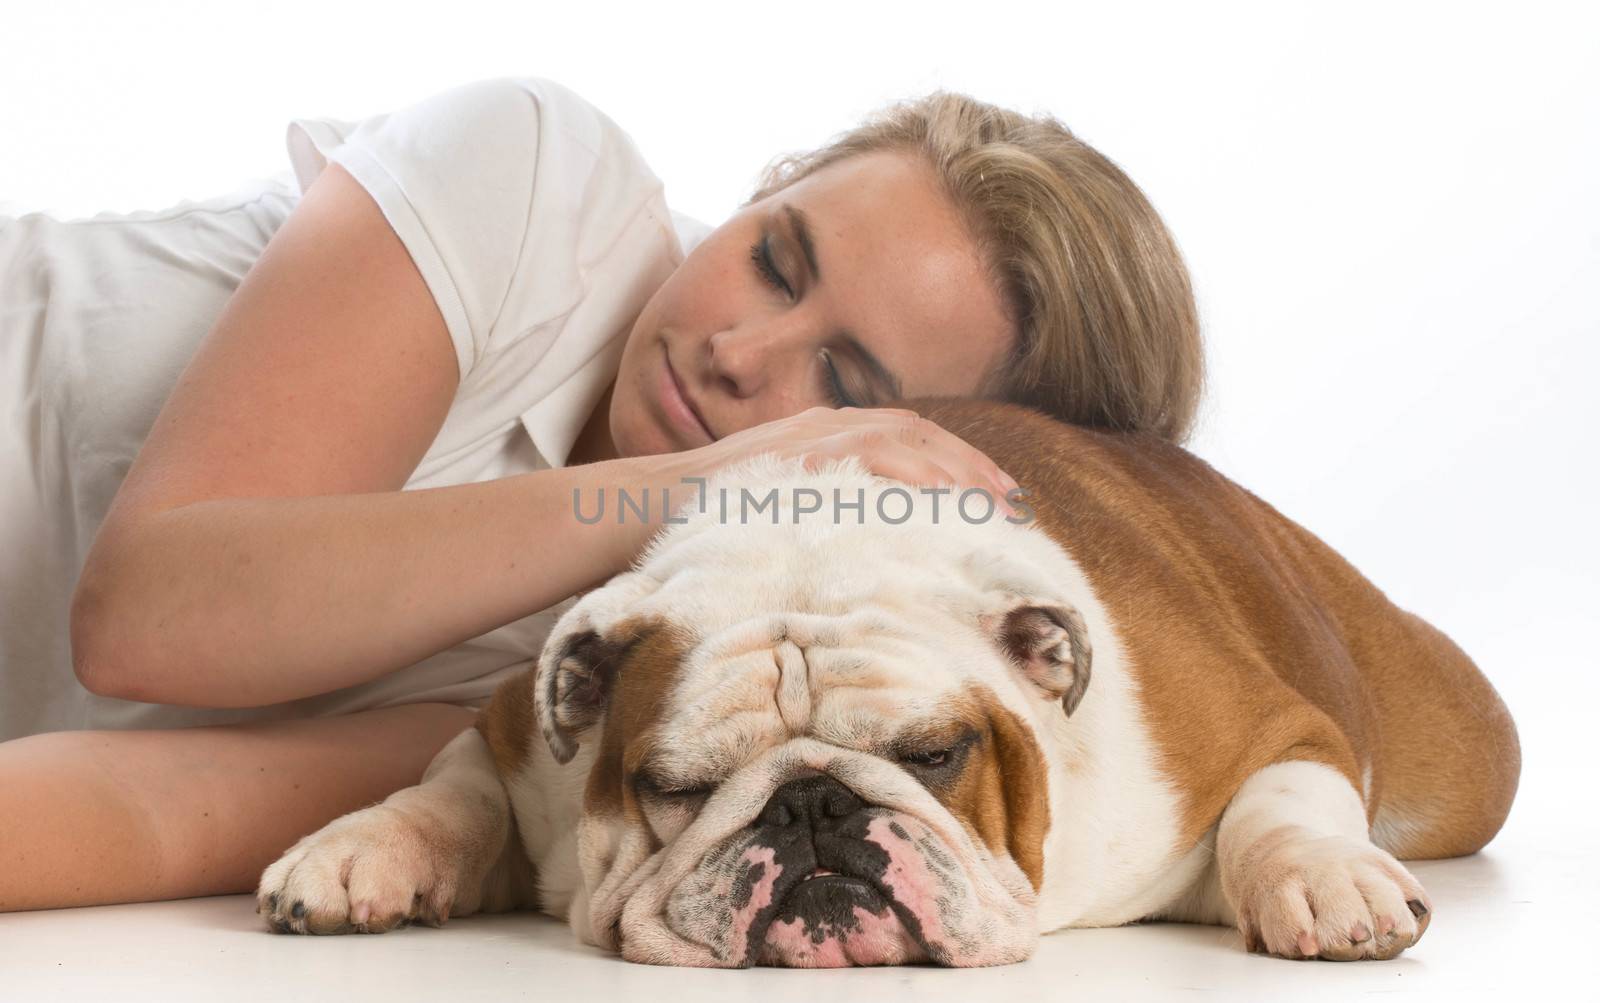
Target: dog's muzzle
828, 900
816, 871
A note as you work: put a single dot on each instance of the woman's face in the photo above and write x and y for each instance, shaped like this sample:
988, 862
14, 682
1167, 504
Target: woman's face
875, 291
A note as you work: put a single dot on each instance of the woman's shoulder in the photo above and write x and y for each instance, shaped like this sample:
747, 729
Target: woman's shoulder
511, 193
495, 124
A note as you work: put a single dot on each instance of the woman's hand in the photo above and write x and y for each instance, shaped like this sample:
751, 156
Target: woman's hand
890, 441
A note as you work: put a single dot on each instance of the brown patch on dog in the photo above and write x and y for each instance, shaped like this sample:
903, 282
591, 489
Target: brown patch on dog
507, 723
1253, 642
1002, 793
651, 669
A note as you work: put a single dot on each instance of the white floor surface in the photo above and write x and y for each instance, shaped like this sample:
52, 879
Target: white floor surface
1516, 921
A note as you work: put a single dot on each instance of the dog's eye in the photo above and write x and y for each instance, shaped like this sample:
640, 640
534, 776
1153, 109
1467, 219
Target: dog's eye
944, 762
650, 785
685, 793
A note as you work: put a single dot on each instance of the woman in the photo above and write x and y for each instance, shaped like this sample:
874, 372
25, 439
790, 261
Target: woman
482, 300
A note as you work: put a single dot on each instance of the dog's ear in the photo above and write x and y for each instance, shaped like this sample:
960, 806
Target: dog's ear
579, 663
1049, 644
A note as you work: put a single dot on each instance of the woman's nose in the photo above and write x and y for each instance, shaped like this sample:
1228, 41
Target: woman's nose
749, 358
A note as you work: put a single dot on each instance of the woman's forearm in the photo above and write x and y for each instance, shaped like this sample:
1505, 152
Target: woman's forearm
97, 817
246, 602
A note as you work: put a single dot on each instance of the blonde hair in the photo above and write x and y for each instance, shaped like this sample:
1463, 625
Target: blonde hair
1108, 335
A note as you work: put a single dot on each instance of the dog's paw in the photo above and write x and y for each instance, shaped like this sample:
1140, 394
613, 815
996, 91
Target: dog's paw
1303, 895
366, 872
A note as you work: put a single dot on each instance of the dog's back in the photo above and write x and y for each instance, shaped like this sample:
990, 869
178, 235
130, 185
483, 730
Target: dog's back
1253, 641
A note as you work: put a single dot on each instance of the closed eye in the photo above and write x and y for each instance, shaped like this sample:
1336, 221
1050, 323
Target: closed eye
761, 254
940, 763
648, 785
686, 792
833, 386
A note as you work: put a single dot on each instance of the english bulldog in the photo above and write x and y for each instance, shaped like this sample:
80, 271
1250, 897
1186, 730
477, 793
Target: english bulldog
862, 727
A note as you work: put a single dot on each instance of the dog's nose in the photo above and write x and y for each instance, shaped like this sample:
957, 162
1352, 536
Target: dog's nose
816, 800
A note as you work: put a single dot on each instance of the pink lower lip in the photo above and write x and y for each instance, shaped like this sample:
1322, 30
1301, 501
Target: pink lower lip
677, 408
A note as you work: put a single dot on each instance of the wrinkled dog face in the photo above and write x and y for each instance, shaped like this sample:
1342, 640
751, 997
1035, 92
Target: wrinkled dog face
788, 776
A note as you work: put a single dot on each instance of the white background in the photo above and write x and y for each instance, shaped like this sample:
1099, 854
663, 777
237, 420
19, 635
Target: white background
1391, 213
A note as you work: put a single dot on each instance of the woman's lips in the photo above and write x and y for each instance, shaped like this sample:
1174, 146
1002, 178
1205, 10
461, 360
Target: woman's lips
675, 401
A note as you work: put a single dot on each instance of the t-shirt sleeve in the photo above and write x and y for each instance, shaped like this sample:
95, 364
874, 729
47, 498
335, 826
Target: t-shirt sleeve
476, 179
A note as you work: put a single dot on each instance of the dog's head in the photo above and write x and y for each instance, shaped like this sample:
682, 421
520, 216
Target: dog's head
815, 743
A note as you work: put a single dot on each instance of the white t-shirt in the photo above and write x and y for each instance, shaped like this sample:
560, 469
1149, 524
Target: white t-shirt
540, 232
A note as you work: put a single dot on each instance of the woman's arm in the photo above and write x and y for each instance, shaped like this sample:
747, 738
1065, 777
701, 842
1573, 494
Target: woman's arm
99, 817
260, 549
243, 602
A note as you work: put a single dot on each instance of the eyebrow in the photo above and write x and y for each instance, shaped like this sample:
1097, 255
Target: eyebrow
801, 224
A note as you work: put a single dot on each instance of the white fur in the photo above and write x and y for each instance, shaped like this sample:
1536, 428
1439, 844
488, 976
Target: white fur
426, 851
548, 801
1301, 875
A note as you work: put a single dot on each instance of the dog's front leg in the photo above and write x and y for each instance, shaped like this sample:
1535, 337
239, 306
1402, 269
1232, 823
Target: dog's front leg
1302, 875
444, 847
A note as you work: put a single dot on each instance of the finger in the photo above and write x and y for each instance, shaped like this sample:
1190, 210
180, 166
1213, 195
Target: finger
971, 465
883, 458
862, 417
921, 470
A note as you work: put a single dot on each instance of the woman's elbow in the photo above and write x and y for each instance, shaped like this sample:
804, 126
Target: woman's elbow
104, 660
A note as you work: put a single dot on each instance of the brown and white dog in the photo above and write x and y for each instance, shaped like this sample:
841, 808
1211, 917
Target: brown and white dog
860, 727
